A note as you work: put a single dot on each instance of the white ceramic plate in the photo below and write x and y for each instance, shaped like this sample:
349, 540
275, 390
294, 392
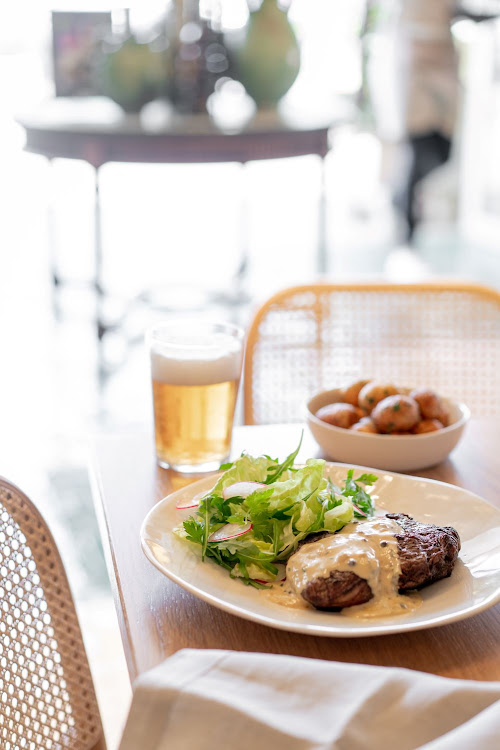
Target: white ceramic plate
474, 585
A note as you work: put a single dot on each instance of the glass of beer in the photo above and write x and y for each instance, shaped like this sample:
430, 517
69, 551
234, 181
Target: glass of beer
195, 368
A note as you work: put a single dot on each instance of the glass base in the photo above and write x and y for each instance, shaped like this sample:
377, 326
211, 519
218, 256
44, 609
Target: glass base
205, 468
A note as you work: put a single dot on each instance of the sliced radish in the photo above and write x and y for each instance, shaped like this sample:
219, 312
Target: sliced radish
241, 489
191, 502
280, 575
229, 531
361, 512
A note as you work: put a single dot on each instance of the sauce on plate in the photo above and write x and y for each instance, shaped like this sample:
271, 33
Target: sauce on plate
368, 549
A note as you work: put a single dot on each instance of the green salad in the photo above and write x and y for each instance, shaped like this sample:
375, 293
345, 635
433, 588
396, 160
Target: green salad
258, 511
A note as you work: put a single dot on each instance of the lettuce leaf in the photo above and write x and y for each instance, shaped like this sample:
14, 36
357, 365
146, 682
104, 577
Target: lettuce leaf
244, 469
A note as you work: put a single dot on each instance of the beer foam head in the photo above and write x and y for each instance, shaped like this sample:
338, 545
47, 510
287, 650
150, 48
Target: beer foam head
196, 359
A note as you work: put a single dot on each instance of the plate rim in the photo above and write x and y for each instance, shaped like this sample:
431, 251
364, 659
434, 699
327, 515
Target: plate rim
331, 631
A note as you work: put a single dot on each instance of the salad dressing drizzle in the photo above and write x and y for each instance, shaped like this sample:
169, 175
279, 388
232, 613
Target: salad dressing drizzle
368, 549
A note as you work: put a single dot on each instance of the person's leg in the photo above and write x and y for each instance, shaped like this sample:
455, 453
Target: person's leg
429, 152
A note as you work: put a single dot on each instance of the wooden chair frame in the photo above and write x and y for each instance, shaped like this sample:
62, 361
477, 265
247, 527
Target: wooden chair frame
280, 300
47, 697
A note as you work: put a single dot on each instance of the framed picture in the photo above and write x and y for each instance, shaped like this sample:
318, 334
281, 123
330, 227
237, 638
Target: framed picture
76, 51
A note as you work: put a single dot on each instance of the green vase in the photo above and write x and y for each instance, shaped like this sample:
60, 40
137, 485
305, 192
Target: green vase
133, 75
268, 59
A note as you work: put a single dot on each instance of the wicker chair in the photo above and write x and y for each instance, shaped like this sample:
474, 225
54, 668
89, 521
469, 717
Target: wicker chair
47, 699
309, 338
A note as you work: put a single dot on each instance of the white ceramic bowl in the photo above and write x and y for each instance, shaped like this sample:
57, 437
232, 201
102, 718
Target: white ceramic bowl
390, 452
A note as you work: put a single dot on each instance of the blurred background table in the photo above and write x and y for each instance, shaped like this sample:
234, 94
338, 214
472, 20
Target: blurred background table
102, 133
157, 617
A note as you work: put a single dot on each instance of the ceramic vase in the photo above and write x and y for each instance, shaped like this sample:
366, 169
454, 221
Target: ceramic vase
268, 59
133, 75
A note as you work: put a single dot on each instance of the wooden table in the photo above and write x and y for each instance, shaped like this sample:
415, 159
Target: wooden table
157, 617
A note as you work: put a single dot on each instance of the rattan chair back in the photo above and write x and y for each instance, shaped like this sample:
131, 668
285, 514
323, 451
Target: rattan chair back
309, 338
47, 699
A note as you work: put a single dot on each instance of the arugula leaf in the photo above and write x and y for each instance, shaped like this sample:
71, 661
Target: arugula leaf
273, 476
206, 528
276, 536
221, 509
361, 500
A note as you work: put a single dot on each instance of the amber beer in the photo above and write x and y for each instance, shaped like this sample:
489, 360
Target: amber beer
195, 384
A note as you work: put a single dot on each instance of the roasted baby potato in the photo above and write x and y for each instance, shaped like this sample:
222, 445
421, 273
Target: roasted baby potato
431, 406
350, 394
372, 393
427, 425
365, 425
340, 414
395, 414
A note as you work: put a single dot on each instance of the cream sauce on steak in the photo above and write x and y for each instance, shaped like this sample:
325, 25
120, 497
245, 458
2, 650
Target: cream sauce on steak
370, 550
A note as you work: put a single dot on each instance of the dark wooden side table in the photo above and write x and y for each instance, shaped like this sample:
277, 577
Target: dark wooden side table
69, 130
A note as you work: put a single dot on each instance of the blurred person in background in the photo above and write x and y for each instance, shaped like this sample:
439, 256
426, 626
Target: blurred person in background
429, 72
412, 81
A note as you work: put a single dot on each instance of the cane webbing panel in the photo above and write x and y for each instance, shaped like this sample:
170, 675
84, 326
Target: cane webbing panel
47, 698
308, 339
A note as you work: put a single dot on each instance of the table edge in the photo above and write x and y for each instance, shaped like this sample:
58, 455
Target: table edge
102, 520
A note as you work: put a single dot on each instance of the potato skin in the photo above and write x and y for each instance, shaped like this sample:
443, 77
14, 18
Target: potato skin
431, 406
444, 418
396, 414
340, 414
427, 425
350, 394
372, 393
366, 424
